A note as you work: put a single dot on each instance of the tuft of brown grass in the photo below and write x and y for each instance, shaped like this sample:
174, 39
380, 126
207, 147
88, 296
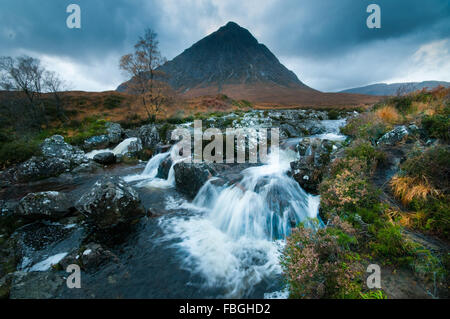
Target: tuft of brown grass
408, 188
388, 114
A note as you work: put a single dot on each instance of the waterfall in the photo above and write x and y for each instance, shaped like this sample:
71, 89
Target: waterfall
151, 169
149, 175
266, 204
235, 233
120, 149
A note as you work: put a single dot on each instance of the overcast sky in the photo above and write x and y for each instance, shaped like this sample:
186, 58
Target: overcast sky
325, 42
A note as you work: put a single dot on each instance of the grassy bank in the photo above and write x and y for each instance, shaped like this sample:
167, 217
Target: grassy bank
369, 224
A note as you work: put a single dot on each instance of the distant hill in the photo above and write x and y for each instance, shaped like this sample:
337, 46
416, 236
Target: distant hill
383, 89
231, 61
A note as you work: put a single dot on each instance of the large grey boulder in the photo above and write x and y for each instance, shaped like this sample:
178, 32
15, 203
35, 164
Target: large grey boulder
396, 136
47, 205
115, 132
149, 136
312, 127
55, 147
134, 147
37, 168
110, 202
190, 177
57, 157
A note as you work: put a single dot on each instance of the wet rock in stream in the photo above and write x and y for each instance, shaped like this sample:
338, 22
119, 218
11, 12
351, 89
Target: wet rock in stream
111, 202
44, 205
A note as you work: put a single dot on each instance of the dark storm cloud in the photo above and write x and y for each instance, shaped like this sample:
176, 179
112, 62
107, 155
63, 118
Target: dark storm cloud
41, 25
315, 38
331, 27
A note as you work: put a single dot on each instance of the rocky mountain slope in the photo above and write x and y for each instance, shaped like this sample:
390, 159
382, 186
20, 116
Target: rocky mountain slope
231, 61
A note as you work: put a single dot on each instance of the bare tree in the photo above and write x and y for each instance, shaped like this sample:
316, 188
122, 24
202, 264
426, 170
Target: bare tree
142, 66
55, 85
25, 74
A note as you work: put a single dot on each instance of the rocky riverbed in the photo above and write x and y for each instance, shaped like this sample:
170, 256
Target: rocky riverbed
160, 229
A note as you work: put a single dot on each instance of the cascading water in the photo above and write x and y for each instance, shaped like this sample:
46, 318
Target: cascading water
264, 205
232, 235
120, 149
235, 233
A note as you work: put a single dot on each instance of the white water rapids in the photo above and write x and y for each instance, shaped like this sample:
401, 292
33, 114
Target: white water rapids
234, 234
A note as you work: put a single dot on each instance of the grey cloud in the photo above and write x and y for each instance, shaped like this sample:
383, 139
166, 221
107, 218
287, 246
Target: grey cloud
313, 37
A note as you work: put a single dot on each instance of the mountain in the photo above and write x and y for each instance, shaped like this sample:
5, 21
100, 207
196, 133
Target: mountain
231, 61
231, 55
392, 89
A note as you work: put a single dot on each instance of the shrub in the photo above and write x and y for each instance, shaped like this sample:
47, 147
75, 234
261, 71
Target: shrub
388, 114
402, 103
389, 244
333, 115
431, 165
112, 102
431, 216
18, 151
374, 294
362, 150
437, 126
408, 188
347, 188
318, 264
366, 126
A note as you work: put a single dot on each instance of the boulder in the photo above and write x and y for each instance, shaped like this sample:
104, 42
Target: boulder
396, 136
114, 132
161, 148
110, 202
44, 205
315, 155
37, 168
313, 127
134, 147
57, 157
128, 133
55, 147
149, 136
105, 158
288, 130
190, 177
96, 142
